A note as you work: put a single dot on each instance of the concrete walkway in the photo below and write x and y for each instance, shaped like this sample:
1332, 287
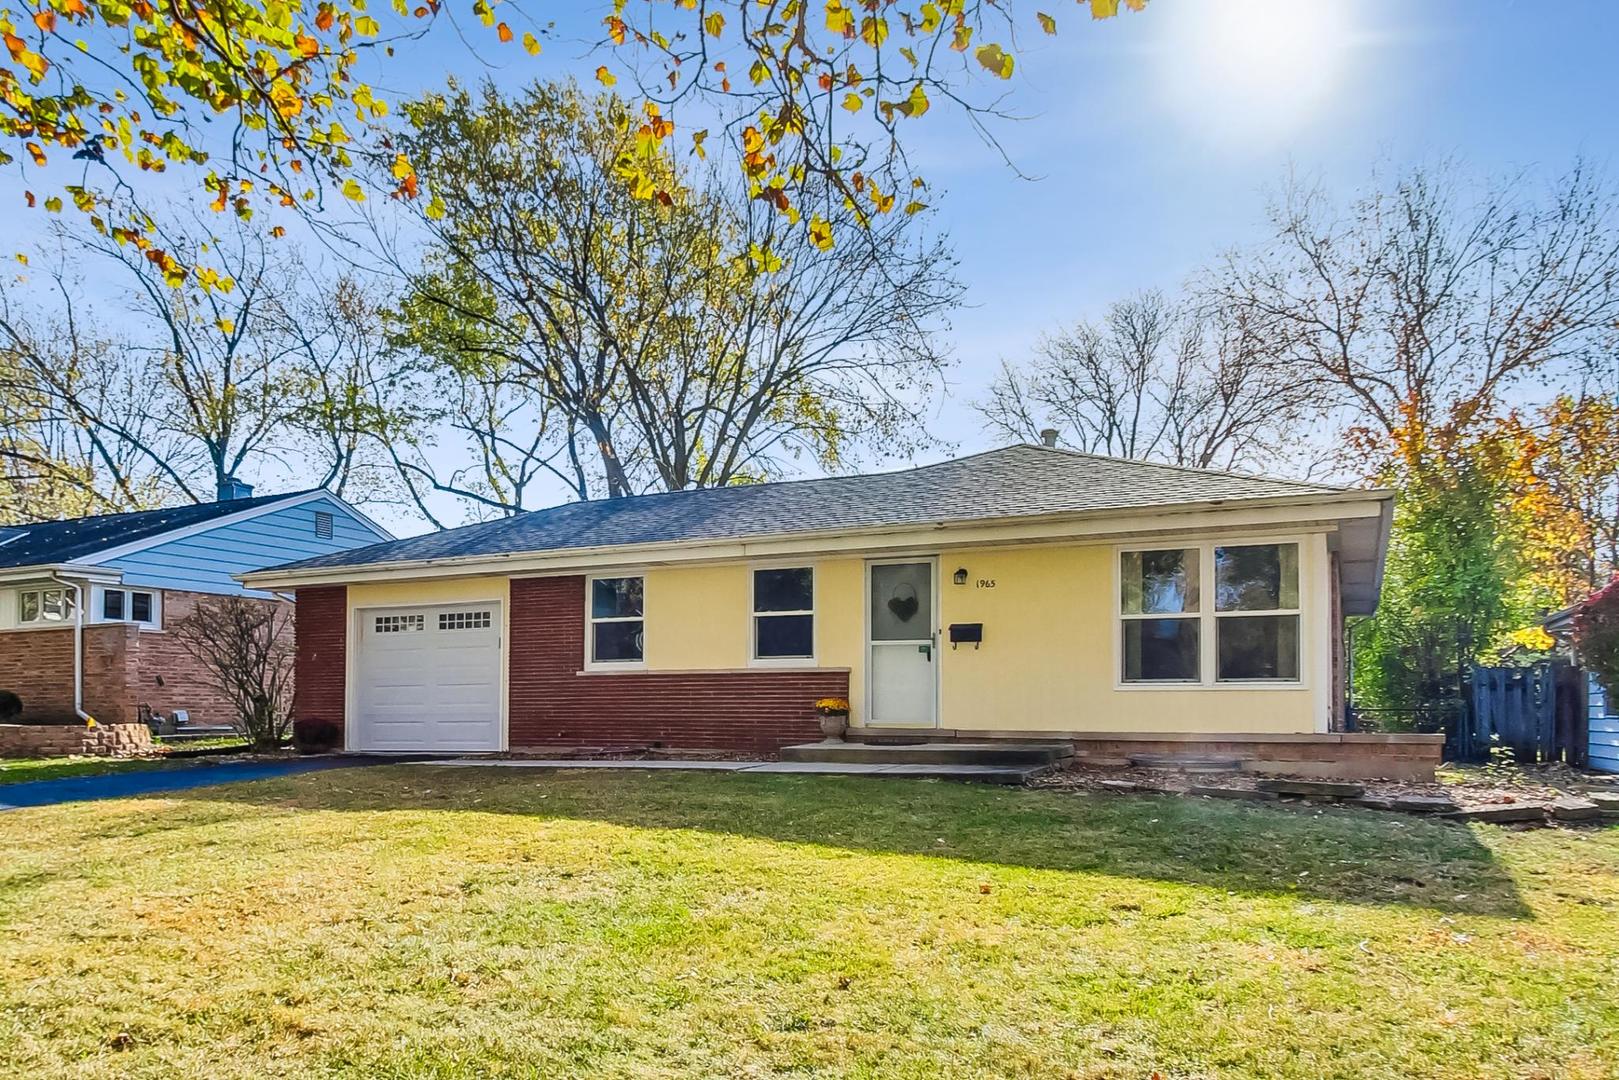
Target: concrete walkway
178, 778
986, 774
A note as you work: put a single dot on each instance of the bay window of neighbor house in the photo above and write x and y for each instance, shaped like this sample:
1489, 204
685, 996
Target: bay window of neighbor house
41, 606
617, 620
784, 614
1247, 631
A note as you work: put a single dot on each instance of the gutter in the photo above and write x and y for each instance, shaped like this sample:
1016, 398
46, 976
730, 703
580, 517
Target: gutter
78, 649
498, 562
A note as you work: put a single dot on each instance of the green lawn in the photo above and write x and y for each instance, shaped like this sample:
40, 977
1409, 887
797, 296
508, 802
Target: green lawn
432, 922
18, 770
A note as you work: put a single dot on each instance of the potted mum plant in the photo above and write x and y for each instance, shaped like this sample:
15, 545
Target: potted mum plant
834, 714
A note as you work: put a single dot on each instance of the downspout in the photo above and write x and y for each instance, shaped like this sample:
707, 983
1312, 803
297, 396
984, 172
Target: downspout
78, 650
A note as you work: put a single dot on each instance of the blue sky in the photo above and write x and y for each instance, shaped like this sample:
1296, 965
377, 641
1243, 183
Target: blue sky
1153, 137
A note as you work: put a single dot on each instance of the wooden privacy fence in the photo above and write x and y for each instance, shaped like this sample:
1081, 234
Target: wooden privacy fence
1538, 712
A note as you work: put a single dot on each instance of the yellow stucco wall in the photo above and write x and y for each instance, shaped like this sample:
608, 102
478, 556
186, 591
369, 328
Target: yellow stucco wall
698, 617
1049, 658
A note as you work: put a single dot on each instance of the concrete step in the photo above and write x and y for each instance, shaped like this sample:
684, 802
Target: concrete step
983, 774
1188, 763
929, 753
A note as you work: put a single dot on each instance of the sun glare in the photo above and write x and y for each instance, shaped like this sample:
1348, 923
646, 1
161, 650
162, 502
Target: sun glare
1253, 67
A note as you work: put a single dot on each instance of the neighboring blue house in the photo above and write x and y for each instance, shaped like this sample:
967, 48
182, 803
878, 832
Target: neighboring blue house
85, 603
1601, 708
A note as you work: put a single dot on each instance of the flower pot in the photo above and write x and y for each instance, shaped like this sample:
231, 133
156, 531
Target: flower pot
833, 725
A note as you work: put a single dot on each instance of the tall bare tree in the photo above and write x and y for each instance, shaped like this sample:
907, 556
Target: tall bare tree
1423, 301
1185, 383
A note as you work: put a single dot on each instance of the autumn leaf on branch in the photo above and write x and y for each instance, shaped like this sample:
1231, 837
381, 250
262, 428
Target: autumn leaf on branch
286, 77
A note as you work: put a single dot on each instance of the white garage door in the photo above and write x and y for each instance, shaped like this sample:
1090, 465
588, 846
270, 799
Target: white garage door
428, 678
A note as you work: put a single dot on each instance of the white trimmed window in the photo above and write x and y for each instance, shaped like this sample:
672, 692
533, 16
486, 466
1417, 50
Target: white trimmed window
44, 607
1160, 608
1243, 630
129, 605
1256, 613
784, 613
616, 612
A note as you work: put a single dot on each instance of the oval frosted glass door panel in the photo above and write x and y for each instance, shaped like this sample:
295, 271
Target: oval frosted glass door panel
902, 647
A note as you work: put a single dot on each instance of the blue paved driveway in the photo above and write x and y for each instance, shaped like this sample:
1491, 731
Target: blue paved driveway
179, 778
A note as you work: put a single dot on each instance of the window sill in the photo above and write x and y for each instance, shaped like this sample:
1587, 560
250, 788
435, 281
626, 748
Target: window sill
1160, 687
642, 669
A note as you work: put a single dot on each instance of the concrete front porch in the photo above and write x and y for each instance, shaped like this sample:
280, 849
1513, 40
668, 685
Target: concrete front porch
1329, 755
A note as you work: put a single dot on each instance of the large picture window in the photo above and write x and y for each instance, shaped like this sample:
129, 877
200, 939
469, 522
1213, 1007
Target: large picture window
784, 614
1243, 628
617, 620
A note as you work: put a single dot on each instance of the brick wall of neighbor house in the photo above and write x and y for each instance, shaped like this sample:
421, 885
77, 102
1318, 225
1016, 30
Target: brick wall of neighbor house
37, 665
167, 677
321, 622
552, 704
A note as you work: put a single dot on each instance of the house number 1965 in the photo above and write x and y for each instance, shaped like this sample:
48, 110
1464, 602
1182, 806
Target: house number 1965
986, 583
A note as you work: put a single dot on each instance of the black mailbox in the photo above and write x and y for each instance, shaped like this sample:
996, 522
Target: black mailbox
968, 632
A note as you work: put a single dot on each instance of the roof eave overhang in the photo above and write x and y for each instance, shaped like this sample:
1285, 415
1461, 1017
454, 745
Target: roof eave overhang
100, 575
1167, 519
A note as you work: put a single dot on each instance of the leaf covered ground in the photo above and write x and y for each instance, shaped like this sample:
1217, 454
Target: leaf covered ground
433, 922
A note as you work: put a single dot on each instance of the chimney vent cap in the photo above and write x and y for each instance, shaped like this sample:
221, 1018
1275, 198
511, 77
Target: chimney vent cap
1048, 436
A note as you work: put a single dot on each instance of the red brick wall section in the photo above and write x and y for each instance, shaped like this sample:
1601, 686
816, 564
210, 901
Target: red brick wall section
37, 666
321, 621
168, 677
552, 704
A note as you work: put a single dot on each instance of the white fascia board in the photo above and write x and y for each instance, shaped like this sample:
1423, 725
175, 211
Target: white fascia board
1289, 511
41, 572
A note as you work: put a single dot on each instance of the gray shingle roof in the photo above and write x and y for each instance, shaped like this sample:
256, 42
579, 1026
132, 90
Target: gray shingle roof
1017, 481
80, 539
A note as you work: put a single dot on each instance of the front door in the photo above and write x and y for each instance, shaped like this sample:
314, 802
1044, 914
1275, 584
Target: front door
902, 644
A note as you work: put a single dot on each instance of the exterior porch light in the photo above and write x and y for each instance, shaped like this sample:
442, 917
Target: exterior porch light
960, 576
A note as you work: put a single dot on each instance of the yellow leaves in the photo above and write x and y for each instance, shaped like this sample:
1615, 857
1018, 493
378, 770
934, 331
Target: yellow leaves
697, 138
995, 60
1047, 23
286, 100
839, 19
53, 204
435, 209
1533, 638
615, 29
531, 44
874, 30
820, 233
931, 18
914, 105
758, 72
504, 33
308, 46
21, 258
226, 326
353, 191
36, 152
36, 64
1104, 9
852, 102
366, 26
714, 24
763, 260
277, 232
45, 20
605, 77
